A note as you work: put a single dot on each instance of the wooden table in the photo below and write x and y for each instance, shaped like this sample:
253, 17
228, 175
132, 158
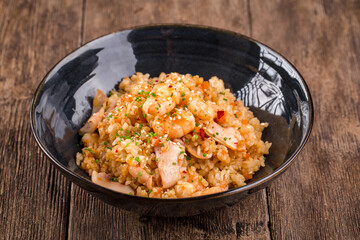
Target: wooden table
317, 198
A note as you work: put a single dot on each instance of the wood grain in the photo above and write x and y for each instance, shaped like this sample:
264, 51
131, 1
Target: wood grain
103, 17
92, 219
34, 196
318, 197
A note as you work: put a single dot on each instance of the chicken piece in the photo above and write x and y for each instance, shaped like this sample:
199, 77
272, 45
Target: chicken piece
192, 151
168, 165
226, 136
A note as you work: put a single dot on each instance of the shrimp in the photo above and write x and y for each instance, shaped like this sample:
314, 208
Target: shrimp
176, 125
140, 88
111, 103
223, 187
162, 99
200, 108
90, 139
142, 176
97, 113
93, 122
184, 189
98, 101
103, 180
137, 83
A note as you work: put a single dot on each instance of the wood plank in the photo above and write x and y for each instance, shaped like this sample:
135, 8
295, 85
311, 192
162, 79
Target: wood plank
318, 197
34, 196
242, 221
247, 220
103, 17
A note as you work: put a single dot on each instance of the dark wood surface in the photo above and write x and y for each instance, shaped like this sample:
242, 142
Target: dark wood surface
318, 197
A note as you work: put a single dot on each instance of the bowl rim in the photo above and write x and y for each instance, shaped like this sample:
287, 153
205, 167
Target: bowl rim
229, 192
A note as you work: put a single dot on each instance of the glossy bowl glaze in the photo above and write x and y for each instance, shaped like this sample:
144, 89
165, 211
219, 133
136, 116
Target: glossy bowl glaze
264, 80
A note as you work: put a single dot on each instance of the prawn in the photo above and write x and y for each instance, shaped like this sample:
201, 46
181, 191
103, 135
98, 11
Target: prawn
91, 124
200, 108
98, 101
162, 99
90, 139
141, 88
223, 187
184, 189
97, 113
175, 125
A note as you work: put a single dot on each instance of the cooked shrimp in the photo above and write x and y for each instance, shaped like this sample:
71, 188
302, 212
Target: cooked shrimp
200, 108
176, 125
103, 180
90, 140
92, 123
169, 167
223, 187
184, 189
142, 176
98, 101
141, 88
162, 99
111, 103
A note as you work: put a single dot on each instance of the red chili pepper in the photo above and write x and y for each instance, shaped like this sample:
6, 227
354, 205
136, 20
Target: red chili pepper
220, 118
220, 114
170, 86
184, 171
202, 133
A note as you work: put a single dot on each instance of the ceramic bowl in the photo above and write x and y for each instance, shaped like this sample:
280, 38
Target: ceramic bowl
264, 80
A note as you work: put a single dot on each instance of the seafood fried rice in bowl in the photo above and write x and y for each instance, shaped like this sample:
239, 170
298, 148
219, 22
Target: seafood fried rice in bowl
171, 136
172, 120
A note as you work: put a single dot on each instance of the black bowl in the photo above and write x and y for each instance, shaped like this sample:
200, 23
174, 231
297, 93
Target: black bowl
264, 80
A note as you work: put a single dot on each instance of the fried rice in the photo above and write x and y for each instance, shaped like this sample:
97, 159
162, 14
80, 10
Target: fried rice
171, 136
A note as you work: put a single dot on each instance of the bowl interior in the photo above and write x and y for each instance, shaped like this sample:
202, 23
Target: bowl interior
264, 80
